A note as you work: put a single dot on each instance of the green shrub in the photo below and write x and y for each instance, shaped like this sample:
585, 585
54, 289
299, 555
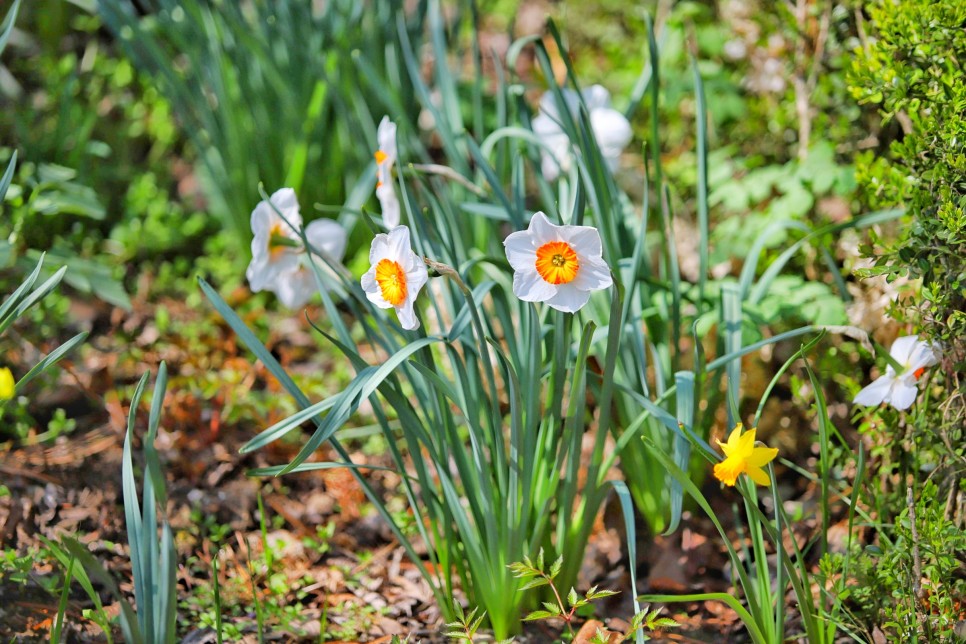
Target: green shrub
913, 69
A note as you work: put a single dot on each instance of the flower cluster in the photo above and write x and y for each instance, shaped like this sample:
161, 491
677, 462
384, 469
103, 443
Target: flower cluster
559, 265
278, 254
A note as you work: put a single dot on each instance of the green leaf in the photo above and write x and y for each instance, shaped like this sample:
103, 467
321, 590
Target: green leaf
555, 568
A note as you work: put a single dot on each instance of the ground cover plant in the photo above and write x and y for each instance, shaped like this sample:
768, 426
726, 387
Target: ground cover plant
480, 321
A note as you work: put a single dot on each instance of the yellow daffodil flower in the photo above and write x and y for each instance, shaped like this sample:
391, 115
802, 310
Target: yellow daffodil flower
743, 457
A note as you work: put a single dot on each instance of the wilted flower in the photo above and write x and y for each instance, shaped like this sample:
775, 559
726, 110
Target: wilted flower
743, 457
900, 389
559, 265
396, 275
611, 130
7, 385
385, 159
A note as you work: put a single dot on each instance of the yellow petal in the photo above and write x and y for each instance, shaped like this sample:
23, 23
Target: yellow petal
7, 385
758, 475
727, 471
747, 442
761, 456
733, 441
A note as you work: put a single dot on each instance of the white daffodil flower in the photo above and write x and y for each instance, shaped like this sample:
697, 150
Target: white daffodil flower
559, 265
396, 275
900, 389
611, 130
276, 246
385, 159
295, 288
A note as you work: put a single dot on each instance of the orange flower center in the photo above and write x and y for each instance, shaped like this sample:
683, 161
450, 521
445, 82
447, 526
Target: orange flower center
276, 241
557, 262
380, 159
391, 279
918, 372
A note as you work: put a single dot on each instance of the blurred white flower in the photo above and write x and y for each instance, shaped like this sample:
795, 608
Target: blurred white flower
278, 255
385, 158
276, 246
295, 288
900, 389
559, 265
396, 275
611, 130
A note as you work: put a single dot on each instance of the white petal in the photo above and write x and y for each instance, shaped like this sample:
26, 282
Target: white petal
327, 236
530, 287
875, 393
545, 126
400, 249
389, 204
296, 288
585, 241
262, 219
902, 349
288, 205
593, 275
407, 316
379, 249
416, 277
541, 230
386, 136
612, 131
550, 166
263, 271
558, 158
596, 97
903, 395
548, 106
569, 299
923, 355
520, 251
